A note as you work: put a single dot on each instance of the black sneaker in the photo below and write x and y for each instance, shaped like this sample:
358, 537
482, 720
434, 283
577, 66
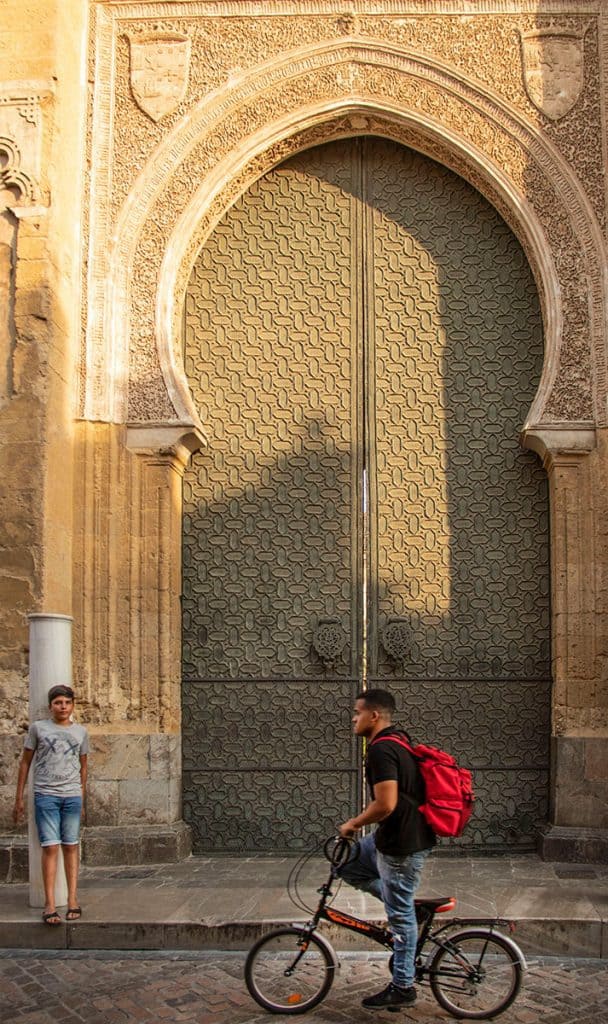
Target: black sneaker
391, 997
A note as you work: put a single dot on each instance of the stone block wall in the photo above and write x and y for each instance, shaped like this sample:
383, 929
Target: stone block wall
135, 779
580, 769
134, 800
42, 119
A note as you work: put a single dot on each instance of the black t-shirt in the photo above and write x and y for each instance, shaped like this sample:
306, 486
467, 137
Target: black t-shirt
405, 830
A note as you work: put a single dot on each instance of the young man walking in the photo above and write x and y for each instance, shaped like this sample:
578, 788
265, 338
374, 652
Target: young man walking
388, 863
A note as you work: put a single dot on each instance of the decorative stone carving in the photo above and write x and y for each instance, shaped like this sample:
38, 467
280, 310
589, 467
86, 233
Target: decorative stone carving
553, 69
20, 145
12, 178
296, 73
397, 639
329, 640
159, 72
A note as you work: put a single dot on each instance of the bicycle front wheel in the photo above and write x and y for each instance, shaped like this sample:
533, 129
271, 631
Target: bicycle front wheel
476, 975
289, 971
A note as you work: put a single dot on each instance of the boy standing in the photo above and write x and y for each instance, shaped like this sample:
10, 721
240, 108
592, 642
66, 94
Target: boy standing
58, 747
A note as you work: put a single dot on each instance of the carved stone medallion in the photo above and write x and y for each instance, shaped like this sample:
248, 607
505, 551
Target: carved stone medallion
159, 72
553, 70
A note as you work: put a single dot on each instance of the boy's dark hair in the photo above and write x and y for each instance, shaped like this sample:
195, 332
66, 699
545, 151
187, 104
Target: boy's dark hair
379, 700
60, 691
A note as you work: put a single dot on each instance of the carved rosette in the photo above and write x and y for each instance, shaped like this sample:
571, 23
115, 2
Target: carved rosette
397, 639
329, 640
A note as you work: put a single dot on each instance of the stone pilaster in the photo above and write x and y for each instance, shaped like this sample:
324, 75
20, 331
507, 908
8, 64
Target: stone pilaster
128, 637
578, 471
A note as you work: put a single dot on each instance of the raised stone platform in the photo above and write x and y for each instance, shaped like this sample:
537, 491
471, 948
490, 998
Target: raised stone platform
103, 846
574, 845
225, 902
106, 846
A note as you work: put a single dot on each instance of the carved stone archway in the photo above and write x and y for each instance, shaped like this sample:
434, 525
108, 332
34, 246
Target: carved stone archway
347, 87
133, 373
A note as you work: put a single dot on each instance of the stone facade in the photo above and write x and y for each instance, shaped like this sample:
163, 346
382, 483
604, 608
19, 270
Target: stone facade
126, 130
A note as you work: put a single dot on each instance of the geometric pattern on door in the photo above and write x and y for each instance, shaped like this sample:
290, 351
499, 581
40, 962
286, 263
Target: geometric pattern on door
361, 308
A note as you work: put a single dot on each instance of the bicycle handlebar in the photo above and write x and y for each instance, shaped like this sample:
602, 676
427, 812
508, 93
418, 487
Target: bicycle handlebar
337, 849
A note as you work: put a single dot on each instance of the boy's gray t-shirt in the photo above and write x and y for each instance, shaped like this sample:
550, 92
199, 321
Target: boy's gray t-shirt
57, 759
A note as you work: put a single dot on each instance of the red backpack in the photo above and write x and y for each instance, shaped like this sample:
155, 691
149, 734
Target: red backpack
448, 789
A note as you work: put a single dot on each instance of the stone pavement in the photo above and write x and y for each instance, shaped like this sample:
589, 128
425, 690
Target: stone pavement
225, 902
208, 988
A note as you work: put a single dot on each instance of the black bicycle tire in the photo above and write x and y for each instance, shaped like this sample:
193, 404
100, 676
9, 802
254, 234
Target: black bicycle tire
492, 938
266, 1002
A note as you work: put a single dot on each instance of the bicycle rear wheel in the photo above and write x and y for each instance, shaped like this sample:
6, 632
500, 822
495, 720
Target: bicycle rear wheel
289, 971
476, 976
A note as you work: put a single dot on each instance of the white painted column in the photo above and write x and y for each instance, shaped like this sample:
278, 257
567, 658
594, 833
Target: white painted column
50, 665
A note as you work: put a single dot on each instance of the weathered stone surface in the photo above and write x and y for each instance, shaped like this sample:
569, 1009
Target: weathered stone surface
102, 802
580, 782
120, 757
574, 845
136, 844
143, 801
13, 858
165, 756
596, 758
41, 110
7, 800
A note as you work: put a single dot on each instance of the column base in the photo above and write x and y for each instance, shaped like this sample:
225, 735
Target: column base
104, 846
14, 857
581, 845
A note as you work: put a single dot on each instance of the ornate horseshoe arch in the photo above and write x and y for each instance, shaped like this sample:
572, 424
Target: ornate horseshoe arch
321, 93
144, 241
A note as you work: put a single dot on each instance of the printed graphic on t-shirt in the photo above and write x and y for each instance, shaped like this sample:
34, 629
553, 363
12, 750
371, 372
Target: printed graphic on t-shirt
57, 758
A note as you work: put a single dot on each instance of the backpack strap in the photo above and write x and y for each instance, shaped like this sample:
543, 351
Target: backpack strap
402, 743
394, 739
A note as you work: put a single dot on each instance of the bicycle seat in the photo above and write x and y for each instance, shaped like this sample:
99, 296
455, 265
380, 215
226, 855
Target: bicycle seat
438, 905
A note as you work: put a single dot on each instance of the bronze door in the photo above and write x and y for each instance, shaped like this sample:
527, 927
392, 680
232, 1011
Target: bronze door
363, 341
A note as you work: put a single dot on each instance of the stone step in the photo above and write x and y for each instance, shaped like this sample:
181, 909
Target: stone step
226, 902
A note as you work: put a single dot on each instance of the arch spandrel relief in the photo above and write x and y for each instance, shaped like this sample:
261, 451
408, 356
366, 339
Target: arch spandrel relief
251, 94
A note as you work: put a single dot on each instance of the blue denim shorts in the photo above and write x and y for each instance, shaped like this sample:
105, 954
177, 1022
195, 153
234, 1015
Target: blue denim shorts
58, 819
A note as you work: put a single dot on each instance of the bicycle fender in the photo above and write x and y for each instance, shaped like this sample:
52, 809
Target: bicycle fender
454, 936
512, 945
324, 942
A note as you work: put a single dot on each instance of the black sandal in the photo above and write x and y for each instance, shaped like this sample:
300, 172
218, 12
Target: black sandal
73, 913
48, 918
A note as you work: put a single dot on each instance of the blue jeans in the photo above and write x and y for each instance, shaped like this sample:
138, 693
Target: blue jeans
57, 819
394, 880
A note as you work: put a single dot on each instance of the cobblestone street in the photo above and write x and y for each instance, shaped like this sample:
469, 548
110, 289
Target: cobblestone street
208, 988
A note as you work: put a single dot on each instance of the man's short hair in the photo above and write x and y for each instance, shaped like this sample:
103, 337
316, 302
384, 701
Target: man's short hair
379, 700
60, 691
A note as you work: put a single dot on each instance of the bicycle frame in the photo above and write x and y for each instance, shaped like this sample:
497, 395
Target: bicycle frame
382, 936
291, 969
375, 932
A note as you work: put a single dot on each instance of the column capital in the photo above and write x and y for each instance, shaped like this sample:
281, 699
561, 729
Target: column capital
557, 441
174, 441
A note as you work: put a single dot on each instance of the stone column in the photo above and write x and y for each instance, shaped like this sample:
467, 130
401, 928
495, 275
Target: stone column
50, 665
576, 460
